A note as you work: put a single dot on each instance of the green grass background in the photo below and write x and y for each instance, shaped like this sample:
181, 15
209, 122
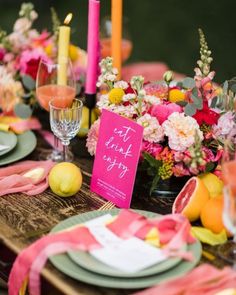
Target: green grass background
161, 30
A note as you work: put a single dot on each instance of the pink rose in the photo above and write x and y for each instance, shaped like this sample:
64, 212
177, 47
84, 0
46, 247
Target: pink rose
162, 112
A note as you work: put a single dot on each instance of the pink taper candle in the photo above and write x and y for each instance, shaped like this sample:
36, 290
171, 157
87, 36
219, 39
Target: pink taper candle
92, 46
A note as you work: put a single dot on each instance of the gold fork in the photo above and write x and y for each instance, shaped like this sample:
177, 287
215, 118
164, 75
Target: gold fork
107, 206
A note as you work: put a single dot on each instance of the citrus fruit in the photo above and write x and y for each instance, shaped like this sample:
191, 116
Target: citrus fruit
213, 184
212, 214
85, 121
65, 179
191, 199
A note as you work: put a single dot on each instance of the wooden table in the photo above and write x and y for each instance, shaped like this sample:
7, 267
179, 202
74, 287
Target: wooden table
23, 219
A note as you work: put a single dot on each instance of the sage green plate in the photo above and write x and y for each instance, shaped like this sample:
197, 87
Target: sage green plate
26, 143
9, 139
90, 263
70, 268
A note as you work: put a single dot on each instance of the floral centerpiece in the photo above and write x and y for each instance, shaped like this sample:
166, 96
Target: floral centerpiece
20, 54
185, 122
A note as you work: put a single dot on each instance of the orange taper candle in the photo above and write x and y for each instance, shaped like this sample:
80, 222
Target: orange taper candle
116, 39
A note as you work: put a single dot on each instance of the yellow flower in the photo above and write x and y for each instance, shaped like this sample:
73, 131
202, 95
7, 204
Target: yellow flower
176, 95
115, 95
73, 52
49, 49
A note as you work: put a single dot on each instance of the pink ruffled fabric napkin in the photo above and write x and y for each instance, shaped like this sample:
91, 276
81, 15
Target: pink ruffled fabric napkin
175, 231
29, 177
151, 71
203, 280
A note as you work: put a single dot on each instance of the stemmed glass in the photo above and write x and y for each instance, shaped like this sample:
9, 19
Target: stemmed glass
228, 250
65, 123
55, 81
105, 39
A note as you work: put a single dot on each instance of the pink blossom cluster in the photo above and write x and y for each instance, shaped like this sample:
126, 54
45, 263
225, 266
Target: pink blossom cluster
185, 144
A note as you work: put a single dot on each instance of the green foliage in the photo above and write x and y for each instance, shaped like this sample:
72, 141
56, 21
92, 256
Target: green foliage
153, 166
227, 99
22, 110
28, 82
188, 83
210, 166
55, 22
190, 109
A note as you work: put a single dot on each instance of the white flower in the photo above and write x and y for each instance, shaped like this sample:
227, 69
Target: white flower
103, 102
22, 25
152, 99
121, 84
142, 93
153, 131
181, 131
5, 77
109, 77
224, 125
129, 96
33, 15
115, 71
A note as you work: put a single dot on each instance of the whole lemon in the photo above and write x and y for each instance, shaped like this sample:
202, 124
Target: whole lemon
85, 121
65, 179
213, 184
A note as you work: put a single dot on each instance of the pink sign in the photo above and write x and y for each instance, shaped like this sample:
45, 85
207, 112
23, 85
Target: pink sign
116, 160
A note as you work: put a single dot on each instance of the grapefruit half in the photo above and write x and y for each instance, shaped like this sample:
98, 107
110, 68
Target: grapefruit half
191, 199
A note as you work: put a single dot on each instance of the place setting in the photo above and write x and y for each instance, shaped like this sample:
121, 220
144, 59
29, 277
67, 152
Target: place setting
16, 147
84, 266
156, 189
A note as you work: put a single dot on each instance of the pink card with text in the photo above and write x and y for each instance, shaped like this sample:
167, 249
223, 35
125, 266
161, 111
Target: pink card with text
116, 159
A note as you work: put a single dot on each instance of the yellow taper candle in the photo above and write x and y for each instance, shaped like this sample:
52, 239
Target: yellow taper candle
63, 50
116, 39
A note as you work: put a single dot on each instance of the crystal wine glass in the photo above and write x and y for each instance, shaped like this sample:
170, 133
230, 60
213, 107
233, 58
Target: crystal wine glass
55, 81
65, 123
228, 250
105, 39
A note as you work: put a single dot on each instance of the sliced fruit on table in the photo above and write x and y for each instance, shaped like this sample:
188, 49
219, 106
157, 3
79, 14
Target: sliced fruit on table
65, 179
213, 184
191, 199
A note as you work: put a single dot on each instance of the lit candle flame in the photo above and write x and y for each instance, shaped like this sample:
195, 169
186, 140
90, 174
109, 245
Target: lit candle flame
68, 18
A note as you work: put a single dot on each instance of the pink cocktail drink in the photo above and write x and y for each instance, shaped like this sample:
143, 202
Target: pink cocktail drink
62, 95
126, 48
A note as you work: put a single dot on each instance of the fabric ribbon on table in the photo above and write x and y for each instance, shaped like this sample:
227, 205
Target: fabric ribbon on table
18, 125
173, 229
203, 280
29, 177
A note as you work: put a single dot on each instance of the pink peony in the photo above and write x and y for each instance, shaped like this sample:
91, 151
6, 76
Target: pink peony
162, 112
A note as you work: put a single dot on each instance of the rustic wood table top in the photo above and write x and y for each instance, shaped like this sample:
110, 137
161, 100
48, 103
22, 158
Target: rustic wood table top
24, 219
